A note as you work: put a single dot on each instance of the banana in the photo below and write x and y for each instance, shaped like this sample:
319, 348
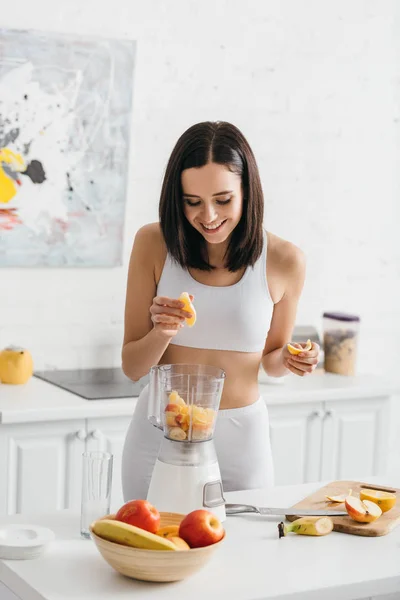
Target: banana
129, 535
307, 526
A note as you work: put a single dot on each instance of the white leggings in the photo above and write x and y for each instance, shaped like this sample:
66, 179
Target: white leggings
241, 439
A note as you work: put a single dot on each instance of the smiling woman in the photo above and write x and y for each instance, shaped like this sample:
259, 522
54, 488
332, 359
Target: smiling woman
245, 284
212, 199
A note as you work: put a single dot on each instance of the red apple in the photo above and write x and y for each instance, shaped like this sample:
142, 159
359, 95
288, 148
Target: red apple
141, 514
362, 511
201, 528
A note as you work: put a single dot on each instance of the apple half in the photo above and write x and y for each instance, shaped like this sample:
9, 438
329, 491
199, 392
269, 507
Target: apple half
362, 511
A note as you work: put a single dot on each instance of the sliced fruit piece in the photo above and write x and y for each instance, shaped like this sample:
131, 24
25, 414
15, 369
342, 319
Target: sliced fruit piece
170, 418
182, 418
362, 511
340, 498
210, 414
200, 434
183, 422
385, 500
174, 398
177, 433
129, 535
168, 531
199, 415
294, 350
184, 297
307, 526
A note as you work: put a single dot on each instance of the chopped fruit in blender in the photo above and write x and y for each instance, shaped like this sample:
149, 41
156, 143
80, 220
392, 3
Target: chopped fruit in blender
179, 415
385, 500
294, 350
362, 511
198, 435
340, 498
176, 433
307, 526
173, 408
210, 414
185, 298
175, 398
141, 514
183, 421
199, 414
170, 418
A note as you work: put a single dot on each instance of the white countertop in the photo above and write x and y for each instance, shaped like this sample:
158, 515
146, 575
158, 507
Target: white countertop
252, 564
321, 386
38, 400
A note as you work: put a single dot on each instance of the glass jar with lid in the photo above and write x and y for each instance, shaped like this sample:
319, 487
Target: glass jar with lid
341, 332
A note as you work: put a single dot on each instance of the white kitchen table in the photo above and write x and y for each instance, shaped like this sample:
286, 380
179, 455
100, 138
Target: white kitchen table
252, 563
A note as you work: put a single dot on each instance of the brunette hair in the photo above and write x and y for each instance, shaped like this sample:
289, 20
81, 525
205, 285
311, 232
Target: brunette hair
224, 144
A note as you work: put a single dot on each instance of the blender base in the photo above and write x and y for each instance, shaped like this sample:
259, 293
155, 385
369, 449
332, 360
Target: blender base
180, 489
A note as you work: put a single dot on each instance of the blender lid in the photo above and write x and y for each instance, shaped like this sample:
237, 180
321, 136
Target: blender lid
341, 316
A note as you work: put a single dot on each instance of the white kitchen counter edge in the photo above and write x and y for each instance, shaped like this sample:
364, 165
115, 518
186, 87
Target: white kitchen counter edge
38, 400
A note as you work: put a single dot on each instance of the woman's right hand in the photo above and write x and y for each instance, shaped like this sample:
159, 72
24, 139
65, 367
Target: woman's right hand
167, 315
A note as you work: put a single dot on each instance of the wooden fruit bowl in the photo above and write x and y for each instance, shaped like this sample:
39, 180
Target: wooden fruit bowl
154, 565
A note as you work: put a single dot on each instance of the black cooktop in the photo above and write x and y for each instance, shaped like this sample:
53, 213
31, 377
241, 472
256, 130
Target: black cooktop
94, 384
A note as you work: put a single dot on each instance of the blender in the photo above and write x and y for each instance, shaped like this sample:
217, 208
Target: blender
183, 403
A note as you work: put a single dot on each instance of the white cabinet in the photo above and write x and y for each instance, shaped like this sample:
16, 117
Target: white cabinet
40, 466
322, 428
318, 441
296, 440
354, 434
41, 463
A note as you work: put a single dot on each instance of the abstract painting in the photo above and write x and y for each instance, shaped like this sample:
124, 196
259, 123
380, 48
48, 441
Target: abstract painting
65, 117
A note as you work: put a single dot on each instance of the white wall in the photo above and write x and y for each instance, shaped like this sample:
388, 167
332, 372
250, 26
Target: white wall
314, 87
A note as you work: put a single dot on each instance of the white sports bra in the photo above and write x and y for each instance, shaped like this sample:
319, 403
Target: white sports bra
235, 317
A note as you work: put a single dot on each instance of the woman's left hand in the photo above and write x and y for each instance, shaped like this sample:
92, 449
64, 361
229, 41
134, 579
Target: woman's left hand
303, 363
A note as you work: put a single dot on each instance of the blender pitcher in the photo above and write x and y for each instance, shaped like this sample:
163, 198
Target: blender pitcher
184, 402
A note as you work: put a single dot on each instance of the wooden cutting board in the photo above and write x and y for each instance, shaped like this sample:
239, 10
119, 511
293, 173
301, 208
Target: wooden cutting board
382, 526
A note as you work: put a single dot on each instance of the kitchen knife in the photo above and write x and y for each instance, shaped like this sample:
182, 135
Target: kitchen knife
235, 509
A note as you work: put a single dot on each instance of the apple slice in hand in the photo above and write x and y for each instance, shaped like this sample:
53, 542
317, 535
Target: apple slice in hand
362, 511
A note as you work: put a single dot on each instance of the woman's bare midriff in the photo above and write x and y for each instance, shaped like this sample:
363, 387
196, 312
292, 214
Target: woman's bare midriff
241, 368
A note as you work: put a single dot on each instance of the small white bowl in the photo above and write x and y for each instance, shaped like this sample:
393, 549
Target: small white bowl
23, 541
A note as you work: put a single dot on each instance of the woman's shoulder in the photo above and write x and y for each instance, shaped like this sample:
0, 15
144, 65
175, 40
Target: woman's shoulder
150, 244
151, 232
149, 237
285, 255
